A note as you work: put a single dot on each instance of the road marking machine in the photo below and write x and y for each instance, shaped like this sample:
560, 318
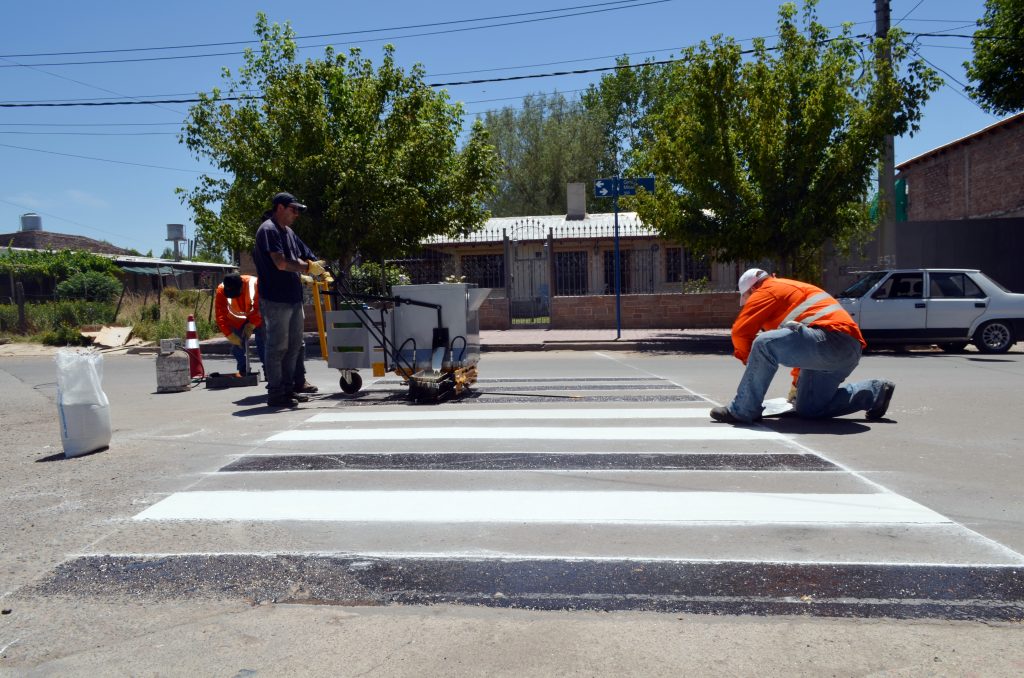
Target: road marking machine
428, 335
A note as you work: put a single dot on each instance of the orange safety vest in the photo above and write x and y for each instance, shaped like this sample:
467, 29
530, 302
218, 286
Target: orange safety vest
779, 301
233, 314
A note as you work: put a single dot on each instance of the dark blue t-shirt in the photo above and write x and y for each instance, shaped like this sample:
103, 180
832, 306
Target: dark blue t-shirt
277, 285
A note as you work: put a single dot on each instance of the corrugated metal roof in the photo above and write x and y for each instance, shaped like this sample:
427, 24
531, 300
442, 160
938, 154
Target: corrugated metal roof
537, 227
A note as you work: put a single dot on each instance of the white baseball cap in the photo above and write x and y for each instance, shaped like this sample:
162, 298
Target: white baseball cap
749, 278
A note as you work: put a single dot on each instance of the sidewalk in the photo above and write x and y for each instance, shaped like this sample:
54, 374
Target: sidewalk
532, 339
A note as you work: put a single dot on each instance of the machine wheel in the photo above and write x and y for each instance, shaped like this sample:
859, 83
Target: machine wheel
995, 336
352, 384
954, 346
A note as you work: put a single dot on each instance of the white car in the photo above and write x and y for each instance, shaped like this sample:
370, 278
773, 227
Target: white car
944, 306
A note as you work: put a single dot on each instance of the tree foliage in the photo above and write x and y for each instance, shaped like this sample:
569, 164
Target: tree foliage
89, 286
625, 103
372, 152
772, 156
998, 58
544, 145
39, 264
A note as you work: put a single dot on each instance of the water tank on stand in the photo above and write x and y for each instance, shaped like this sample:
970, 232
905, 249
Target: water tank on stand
31, 222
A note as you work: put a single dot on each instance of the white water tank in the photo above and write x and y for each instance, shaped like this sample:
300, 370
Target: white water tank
175, 232
31, 222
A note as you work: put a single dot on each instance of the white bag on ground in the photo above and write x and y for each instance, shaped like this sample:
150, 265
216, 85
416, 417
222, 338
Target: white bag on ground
83, 406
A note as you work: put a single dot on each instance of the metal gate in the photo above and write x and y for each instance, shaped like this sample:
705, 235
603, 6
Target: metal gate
530, 292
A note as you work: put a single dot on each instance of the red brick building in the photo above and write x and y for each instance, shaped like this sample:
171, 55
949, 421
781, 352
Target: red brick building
975, 177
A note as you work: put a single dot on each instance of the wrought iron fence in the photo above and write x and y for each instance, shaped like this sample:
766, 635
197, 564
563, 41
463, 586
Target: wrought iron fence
570, 261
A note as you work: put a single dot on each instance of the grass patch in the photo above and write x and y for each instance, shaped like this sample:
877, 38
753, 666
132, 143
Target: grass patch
57, 323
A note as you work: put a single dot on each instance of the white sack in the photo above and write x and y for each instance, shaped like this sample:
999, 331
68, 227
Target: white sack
83, 406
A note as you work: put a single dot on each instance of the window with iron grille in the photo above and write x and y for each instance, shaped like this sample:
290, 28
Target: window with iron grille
673, 264
570, 273
486, 270
697, 267
625, 270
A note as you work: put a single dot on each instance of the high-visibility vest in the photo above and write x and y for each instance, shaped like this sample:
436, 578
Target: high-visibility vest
780, 301
233, 314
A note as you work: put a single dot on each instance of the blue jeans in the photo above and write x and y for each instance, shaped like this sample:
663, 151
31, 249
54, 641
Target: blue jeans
284, 351
239, 354
825, 359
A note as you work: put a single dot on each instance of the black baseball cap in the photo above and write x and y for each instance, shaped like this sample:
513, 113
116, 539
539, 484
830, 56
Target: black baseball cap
289, 200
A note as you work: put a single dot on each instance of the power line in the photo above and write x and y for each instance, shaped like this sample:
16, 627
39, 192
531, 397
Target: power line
117, 162
320, 35
385, 39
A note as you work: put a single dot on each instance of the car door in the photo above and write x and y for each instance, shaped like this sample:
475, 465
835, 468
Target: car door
896, 310
954, 302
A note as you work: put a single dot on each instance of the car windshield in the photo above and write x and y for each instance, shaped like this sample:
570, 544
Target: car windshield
861, 287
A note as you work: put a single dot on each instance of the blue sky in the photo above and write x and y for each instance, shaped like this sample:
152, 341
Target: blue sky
120, 187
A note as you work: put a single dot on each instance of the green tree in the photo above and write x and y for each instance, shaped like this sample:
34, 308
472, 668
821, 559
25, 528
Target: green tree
625, 102
998, 58
772, 156
89, 286
543, 146
372, 152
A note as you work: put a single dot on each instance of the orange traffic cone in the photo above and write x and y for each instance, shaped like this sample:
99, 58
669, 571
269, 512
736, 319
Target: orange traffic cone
195, 358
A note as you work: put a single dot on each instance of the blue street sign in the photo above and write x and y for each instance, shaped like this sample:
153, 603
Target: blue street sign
605, 188
608, 188
629, 186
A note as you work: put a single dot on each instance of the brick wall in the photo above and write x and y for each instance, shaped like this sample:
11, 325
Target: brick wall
646, 311
975, 178
494, 314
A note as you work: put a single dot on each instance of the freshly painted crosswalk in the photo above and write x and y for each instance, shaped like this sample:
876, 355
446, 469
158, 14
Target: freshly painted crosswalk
574, 482
542, 507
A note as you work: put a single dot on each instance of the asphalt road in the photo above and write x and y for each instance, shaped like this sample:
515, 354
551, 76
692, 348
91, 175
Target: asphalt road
579, 515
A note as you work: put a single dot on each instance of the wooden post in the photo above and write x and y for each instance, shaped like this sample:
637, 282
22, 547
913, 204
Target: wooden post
19, 299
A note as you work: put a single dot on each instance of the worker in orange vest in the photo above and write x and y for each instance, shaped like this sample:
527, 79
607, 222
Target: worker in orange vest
237, 304
792, 323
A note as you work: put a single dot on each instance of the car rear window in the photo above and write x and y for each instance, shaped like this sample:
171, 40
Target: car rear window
953, 286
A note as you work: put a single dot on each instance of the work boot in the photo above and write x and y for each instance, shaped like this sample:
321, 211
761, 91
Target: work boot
298, 397
723, 415
281, 400
305, 387
879, 409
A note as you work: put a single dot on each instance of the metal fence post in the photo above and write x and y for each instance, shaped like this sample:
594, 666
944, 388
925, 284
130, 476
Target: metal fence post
508, 274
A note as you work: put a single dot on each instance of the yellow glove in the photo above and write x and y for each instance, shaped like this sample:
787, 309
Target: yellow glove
306, 279
315, 268
235, 339
247, 330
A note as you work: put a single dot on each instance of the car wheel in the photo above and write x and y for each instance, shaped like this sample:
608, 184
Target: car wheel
954, 347
995, 336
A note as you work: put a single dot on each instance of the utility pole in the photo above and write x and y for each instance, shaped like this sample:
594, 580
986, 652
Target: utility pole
887, 167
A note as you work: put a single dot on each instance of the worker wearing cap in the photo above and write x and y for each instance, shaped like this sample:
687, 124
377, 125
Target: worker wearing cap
281, 257
792, 323
237, 306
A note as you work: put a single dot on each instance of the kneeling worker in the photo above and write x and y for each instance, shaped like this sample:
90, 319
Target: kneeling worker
795, 324
237, 303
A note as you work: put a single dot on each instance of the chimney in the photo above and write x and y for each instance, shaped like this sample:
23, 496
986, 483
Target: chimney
576, 195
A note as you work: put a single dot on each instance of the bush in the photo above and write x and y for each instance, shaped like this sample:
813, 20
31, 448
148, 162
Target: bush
54, 315
89, 286
64, 336
366, 279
